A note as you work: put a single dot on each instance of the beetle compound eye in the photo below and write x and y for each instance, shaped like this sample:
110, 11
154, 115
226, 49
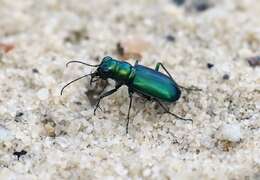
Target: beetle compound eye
106, 69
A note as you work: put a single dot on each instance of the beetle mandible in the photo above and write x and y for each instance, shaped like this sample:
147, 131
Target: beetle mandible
146, 82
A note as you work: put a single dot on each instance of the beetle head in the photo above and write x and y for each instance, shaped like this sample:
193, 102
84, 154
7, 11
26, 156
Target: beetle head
106, 68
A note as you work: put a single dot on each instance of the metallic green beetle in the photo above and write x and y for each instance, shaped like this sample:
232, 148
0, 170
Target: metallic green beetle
147, 82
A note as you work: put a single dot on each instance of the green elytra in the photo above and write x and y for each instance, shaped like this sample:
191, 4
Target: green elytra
147, 82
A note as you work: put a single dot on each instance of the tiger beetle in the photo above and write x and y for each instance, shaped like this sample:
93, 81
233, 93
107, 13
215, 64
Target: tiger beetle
146, 82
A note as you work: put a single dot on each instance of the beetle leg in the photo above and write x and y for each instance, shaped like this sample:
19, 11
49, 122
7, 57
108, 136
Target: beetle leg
167, 111
104, 95
188, 89
129, 108
161, 64
97, 106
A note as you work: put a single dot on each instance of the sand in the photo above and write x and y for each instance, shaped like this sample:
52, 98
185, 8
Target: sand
205, 44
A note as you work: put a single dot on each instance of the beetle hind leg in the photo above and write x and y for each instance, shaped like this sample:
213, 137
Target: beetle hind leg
167, 111
190, 88
158, 65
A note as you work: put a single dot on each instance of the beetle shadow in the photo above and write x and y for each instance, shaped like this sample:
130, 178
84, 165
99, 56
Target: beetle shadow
94, 91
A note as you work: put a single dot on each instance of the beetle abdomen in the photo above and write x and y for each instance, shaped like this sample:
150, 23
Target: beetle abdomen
152, 83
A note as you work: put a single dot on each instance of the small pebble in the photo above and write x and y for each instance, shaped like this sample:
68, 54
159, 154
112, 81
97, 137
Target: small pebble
78, 103
5, 134
231, 132
197, 151
225, 77
34, 70
6, 47
120, 49
178, 2
170, 38
49, 126
77, 35
19, 153
19, 114
132, 48
210, 65
254, 61
50, 130
198, 6
202, 7
43, 94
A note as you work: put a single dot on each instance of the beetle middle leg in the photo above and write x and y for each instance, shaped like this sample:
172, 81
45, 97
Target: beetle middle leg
104, 95
129, 108
167, 111
158, 65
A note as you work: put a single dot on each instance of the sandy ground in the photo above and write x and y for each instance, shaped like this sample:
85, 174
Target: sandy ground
204, 44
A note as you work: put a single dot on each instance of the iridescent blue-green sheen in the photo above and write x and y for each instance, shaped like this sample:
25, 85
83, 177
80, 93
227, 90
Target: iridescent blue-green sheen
152, 83
141, 79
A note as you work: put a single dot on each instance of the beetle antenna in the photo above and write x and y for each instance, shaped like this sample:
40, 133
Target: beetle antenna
81, 63
61, 92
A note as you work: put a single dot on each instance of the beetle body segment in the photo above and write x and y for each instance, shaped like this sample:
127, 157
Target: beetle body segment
155, 84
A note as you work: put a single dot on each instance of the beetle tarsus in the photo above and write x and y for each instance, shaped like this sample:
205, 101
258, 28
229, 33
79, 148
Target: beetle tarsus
97, 106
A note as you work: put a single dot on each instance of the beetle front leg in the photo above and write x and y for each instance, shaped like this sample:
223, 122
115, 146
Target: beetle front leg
104, 95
